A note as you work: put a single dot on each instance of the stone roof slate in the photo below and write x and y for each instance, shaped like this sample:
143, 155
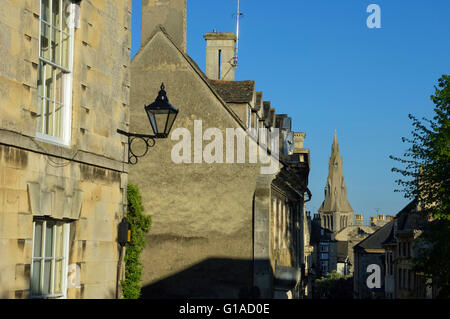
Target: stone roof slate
258, 101
234, 91
266, 109
342, 251
377, 239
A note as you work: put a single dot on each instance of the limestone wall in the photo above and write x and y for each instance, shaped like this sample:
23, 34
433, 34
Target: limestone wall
100, 79
93, 240
202, 213
83, 183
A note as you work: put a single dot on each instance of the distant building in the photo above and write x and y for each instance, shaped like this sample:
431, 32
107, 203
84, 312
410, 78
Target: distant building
325, 249
368, 252
335, 211
336, 217
393, 248
401, 281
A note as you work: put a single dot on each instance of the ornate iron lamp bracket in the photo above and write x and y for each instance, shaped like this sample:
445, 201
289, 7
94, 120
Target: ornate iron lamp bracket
149, 141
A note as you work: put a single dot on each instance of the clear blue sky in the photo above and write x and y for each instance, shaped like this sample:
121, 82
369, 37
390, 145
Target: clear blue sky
318, 62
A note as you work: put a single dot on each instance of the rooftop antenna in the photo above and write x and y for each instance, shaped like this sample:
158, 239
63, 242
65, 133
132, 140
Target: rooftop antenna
238, 14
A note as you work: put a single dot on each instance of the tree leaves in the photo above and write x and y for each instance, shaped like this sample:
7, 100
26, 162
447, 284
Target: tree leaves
426, 177
140, 224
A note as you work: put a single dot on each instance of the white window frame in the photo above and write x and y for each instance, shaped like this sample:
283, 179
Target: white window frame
68, 80
65, 263
249, 117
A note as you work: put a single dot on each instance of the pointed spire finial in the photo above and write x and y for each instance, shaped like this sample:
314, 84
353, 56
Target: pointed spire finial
335, 209
335, 145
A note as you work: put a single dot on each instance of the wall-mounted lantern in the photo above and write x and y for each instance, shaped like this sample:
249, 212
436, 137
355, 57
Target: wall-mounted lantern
161, 115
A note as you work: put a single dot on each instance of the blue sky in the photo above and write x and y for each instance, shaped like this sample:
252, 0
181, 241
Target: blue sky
319, 62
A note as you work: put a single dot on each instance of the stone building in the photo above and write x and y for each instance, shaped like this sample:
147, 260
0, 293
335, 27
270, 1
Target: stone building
335, 212
393, 247
222, 225
308, 270
370, 251
63, 93
402, 245
336, 216
325, 249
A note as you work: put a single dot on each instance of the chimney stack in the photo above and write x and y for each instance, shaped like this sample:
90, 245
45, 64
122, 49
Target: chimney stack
373, 221
359, 220
220, 49
299, 142
171, 14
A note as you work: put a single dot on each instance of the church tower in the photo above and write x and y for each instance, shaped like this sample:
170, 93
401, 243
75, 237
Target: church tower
335, 211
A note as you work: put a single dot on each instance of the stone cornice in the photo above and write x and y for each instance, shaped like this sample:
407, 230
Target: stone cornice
27, 143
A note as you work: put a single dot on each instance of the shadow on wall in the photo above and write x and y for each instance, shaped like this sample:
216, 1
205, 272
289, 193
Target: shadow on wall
212, 278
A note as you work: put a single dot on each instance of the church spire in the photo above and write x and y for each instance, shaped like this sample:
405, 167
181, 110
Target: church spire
335, 146
336, 209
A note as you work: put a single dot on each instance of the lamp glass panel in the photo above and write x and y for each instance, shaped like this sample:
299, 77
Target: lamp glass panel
151, 118
161, 119
170, 119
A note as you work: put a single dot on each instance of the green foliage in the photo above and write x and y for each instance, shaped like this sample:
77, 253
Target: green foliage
426, 177
334, 285
140, 225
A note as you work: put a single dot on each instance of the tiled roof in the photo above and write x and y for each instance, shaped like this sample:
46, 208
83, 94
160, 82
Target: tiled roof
270, 116
266, 109
376, 240
342, 251
234, 91
408, 218
258, 101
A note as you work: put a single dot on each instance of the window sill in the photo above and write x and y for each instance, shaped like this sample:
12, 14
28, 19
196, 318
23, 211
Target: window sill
59, 296
52, 140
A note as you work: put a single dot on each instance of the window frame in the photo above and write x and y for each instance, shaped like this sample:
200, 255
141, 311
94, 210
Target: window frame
42, 259
66, 121
324, 266
324, 247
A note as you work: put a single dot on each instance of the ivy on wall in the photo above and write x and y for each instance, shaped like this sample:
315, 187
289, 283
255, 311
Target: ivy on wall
140, 224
